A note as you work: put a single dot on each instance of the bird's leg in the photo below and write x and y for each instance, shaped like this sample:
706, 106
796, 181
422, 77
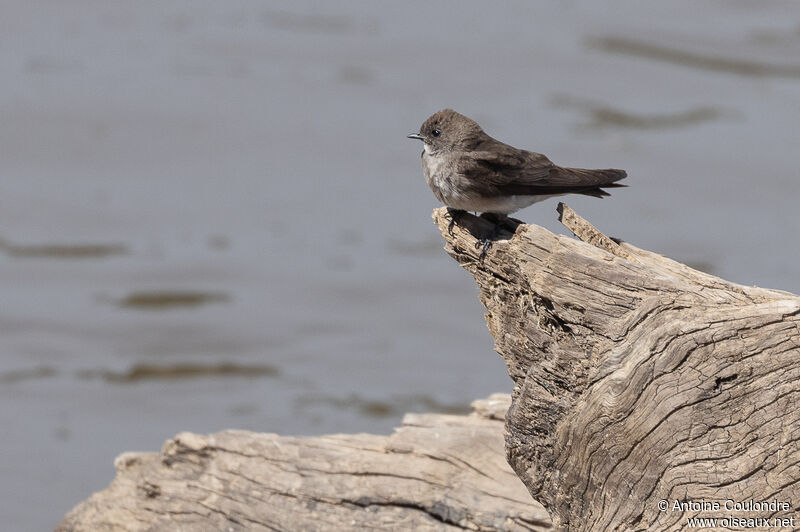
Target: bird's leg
487, 243
455, 216
497, 220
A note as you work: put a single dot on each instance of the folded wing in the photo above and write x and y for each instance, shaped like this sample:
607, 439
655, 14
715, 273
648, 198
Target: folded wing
503, 170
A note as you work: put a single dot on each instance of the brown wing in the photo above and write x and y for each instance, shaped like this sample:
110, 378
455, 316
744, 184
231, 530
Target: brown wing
495, 167
500, 169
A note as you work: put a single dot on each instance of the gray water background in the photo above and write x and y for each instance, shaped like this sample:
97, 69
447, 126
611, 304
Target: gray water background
210, 216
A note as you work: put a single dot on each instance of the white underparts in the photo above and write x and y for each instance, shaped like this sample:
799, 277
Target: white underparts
496, 204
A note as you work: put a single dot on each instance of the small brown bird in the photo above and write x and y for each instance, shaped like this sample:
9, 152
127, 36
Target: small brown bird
470, 171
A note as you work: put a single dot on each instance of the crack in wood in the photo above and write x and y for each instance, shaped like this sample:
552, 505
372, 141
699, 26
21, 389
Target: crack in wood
626, 365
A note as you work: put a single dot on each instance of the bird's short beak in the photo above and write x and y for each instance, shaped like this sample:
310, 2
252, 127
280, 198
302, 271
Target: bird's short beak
416, 136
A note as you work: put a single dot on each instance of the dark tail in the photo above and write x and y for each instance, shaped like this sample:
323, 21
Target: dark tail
588, 182
582, 176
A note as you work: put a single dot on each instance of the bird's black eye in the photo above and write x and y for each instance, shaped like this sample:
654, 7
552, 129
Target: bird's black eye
436, 132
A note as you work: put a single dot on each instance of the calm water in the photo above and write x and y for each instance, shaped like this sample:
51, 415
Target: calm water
211, 218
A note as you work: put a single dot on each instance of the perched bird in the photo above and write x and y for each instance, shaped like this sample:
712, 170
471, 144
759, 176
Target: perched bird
468, 170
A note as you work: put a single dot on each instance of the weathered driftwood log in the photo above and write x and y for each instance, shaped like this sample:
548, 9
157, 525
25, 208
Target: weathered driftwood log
637, 379
437, 472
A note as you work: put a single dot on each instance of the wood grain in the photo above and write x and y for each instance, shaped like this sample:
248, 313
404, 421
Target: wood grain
636, 378
435, 473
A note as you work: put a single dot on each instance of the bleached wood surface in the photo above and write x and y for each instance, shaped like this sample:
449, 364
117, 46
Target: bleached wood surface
436, 472
636, 377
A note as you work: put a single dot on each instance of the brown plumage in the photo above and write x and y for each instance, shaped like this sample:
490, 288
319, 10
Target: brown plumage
469, 170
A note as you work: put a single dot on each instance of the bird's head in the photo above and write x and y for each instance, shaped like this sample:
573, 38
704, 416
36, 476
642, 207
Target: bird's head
447, 130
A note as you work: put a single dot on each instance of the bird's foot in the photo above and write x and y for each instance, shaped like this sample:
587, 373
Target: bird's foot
455, 216
485, 243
